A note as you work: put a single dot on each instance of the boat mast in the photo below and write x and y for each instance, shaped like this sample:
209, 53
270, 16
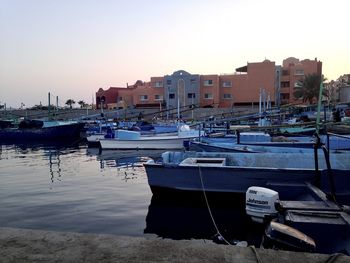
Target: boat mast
260, 107
319, 107
48, 107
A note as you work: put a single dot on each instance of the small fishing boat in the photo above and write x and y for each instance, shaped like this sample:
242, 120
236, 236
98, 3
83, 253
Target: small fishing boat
42, 130
129, 140
144, 128
225, 147
236, 172
256, 141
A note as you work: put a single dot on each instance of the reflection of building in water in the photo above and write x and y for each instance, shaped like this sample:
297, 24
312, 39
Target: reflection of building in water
54, 165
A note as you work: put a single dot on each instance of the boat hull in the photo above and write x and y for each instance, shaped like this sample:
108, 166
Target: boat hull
144, 144
236, 172
248, 148
68, 131
221, 179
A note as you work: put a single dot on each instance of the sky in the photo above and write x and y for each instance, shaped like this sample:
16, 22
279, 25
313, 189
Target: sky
71, 48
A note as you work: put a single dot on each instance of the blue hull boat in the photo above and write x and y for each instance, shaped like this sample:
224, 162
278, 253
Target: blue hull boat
278, 147
48, 131
236, 172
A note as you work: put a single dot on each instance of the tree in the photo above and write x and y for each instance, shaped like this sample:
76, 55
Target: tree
82, 104
308, 89
70, 102
332, 90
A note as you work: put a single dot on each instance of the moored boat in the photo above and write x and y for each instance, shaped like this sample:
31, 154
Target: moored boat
42, 130
236, 172
128, 140
256, 141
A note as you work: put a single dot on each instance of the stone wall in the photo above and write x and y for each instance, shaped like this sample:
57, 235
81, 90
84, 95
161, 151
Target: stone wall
148, 114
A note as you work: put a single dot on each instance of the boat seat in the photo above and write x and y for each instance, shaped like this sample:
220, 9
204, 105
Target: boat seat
308, 205
206, 162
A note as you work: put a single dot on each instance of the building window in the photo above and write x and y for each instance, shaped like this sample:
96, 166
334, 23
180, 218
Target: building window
171, 96
120, 98
191, 95
285, 84
285, 96
208, 96
168, 82
158, 84
208, 82
285, 72
227, 96
143, 97
299, 72
158, 97
227, 84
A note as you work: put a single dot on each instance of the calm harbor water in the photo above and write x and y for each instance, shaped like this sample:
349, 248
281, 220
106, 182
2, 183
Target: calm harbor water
81, 190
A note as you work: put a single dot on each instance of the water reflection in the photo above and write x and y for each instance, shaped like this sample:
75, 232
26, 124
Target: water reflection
187, 217
51, 151
55, 165
25, 146
62, 188
128, 163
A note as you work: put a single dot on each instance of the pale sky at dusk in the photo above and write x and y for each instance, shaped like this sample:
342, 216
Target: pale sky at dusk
73, 47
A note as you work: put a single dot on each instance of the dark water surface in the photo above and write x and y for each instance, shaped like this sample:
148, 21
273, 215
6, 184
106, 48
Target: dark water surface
71, 189
81, 190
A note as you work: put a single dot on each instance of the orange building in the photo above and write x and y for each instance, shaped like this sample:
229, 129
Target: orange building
224, 91
241, 88
294, 70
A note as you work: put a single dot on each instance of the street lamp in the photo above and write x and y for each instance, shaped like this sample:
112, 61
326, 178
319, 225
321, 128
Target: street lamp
178, 96
192, 96
102, 100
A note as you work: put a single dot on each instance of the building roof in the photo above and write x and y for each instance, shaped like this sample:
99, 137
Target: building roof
242, 69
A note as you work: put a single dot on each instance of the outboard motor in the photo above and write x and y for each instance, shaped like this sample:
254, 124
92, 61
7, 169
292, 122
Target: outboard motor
260, 203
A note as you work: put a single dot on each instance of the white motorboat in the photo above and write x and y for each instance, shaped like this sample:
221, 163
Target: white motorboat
129, 140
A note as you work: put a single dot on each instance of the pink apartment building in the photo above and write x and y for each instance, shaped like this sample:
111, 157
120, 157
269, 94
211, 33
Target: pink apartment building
224, 91
294, 70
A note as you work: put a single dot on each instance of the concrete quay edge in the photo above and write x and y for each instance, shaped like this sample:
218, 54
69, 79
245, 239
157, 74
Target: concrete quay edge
27, 245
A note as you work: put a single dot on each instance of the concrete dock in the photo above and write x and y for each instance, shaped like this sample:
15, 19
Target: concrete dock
22, 245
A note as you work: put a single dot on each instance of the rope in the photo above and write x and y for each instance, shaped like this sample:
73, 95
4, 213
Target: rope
258, 259
333, 257
209, 210
255, 252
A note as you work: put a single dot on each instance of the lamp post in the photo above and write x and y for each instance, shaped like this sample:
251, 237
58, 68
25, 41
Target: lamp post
192, 104
178, 99
102, 102
178, 95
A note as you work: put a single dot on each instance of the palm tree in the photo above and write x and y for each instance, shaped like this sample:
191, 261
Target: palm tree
82, 103
70, 102
309, 88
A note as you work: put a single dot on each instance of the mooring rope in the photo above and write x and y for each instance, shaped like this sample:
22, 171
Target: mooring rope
210, 213
333, 257
255, 252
